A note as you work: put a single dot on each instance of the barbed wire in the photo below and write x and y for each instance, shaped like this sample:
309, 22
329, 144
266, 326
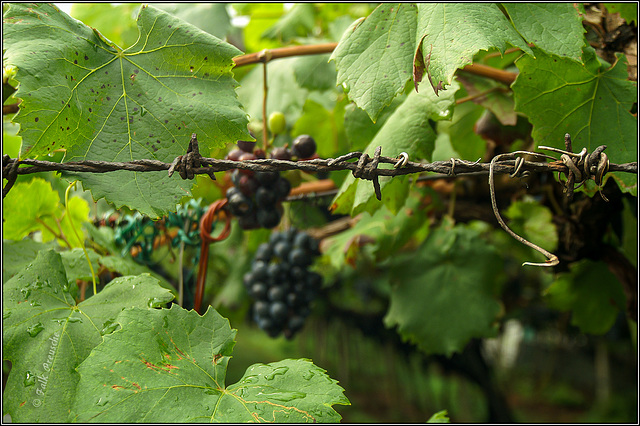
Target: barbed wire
577, 167
192, 164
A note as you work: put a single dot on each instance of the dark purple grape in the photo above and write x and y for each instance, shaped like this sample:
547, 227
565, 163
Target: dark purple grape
281, 153
274, 271
282, 188
297, 272
259, 270
299, 257
239, 204
261, 308
246, 146
259, 291
293, 299
247, 184
304, 146
302, 240
246, 156
249, 221
277, 293
263, 252
234, 154
278, 310
267, 178
265, 198
268, 218
282, 249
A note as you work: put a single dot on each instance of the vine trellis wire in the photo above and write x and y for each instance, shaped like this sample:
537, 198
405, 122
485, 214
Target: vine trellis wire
578, 168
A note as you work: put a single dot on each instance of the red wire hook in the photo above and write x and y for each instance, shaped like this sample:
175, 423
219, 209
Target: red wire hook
206, 223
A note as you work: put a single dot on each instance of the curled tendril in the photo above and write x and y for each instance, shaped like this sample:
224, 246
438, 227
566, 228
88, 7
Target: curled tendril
552, 258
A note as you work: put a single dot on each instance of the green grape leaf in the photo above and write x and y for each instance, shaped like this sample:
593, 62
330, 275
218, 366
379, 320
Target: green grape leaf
210, 17
592, 293
46, 335
373, 57
79, 209
314, 72
385, 230
555, 28
378, 55
406, 130
591, 102
443, 294
159, 359
262, 16
491, 95
627, 11
115, 23
76, 266
297, 22
113, 105
461, 130
534, 222
10, 142
440, 417
26, 206
450, 34
359, 128
18, 254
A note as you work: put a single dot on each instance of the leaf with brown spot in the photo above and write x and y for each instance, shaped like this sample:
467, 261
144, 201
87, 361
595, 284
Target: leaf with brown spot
192, 388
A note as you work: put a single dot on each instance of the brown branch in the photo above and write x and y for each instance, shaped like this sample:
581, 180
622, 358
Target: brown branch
284, 52
502, 76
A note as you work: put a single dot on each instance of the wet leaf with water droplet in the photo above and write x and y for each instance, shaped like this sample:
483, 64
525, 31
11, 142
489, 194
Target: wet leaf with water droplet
52, 335
35, 329
175, 364
29, 379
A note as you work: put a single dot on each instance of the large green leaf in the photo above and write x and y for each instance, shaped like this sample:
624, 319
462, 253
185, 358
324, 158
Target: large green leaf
297, 22
46, 335
314, 72
591, 102
592, 293
374, 56
378, 55
444, 292
553, 27
450, 34
26, 206
18, 254
534, 222
461, 131
115, 22
387, 231
160, 359
406, 130
210, 17
82, 93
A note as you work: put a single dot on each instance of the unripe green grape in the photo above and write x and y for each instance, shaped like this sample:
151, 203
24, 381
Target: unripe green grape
277, 123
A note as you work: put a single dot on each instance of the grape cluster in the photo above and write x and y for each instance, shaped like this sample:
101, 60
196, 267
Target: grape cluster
281, 284
255, 197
